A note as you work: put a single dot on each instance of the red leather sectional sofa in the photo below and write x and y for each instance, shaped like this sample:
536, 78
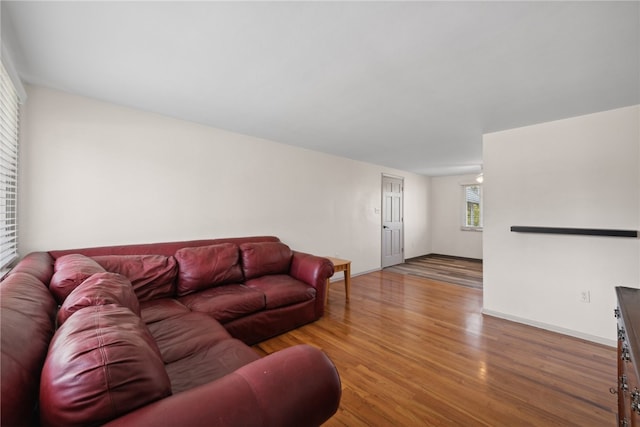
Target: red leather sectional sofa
159, 335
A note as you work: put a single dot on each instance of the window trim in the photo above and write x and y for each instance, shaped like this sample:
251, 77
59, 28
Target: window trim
463, 210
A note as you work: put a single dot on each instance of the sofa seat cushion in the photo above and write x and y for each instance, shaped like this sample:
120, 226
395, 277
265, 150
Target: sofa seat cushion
204, 267
226, 303
262, 258
160, 309
152, 276
281, 290
209, 364
100, 289
102, 363
70, 271
180, 336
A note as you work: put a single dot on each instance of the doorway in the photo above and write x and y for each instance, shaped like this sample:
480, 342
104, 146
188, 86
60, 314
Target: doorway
392, 221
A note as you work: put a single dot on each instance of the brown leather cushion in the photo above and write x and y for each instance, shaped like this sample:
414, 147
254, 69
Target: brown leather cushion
281, 290
260, 259
206, 266
160, 309
100, 289
102, 363
152, 276
210, 364
225, 303
70, 271
181, 336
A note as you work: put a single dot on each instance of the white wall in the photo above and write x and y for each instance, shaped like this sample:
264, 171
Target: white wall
446, 218
578, 172
94, 173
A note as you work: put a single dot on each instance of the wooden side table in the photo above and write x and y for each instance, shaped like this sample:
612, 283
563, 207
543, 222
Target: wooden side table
340, 265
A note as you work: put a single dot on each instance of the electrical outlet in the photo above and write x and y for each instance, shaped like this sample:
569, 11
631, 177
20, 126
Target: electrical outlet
585, 296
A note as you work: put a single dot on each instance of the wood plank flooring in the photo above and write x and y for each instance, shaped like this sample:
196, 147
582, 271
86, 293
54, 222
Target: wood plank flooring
416, 352
443, 268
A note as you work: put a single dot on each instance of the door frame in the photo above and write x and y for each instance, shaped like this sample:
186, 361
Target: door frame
382, 177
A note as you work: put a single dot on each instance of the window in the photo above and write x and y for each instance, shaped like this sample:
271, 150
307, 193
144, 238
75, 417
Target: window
472, 207
9, 116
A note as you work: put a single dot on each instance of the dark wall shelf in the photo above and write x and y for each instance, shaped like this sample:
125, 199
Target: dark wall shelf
576, 231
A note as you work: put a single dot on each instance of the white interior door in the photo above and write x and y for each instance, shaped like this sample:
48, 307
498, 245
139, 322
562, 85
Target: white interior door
392, 221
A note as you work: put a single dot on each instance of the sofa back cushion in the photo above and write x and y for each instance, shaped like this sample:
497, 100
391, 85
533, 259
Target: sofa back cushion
261, 259
102, 363
69, 272
207, 266
100, 289
164, 248
152, 276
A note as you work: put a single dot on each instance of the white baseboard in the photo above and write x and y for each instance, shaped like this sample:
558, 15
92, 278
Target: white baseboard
529, 322
339, 276
552, 328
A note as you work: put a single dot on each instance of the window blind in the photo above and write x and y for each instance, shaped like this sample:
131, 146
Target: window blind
9, 122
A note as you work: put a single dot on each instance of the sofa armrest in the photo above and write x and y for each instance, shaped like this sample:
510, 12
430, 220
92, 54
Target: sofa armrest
27, 323
311, 269
314, 271
297, 386
38, 264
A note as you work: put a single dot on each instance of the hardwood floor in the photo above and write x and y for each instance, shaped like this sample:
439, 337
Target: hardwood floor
414, 352
443, 268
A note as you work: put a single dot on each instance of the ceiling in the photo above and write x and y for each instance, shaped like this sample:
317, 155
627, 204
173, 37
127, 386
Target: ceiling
408, 85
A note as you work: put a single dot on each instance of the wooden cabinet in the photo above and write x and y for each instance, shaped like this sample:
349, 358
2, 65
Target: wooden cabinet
628, 315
